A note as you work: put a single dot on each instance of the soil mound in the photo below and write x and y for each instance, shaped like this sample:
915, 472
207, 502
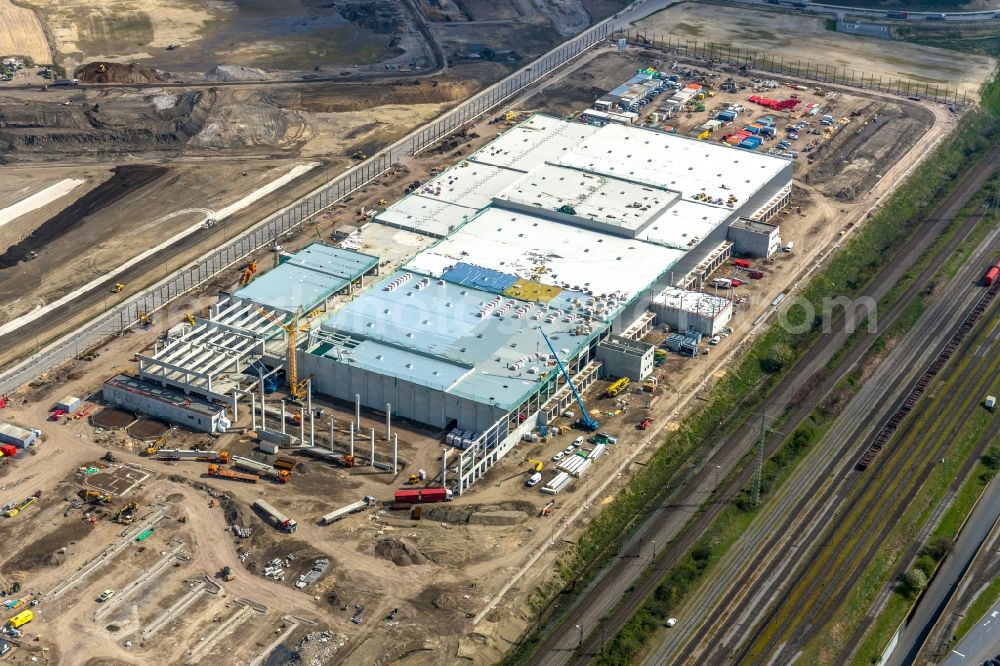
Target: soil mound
402, 552
116, 72
235, 73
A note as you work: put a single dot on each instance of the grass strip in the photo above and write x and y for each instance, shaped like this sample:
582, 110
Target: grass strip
766, 361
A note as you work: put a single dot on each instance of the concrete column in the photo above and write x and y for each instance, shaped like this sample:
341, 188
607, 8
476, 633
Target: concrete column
373, 448
388, 421
282, 417
352, 438
302, 426
331, 433
309, 394
461, 472
357, 410
235, 413
263, 411
253, 411
444, 466
395, 451
312, 429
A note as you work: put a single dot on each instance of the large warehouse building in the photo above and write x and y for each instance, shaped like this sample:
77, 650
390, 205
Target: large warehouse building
555, 230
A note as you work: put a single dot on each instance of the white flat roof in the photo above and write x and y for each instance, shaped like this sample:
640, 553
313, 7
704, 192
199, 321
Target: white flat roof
685, 224
537, 140
551, 253
425, 216
468, 184
593, 196
691, 301
675, 163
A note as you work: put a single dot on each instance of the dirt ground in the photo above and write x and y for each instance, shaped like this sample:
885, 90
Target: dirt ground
21, 34
298, 35
438, 573
798, 37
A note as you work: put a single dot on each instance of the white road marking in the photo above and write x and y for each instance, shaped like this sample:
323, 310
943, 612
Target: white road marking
296, 171
959, 654
38, 199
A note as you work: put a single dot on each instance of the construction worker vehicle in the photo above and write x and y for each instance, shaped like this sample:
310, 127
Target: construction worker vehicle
118, 287
145, 319
536, 465
262, 469
226, 574
413, 480
223, 473
645, 423
275, 517
20, 506
126, 515
96, 496
221, 457
248, 272
617, 387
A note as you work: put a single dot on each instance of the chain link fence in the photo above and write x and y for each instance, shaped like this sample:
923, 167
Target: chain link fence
779, 65
126, 314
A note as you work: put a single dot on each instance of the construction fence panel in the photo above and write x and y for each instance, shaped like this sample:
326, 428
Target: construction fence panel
127, 314
798, 68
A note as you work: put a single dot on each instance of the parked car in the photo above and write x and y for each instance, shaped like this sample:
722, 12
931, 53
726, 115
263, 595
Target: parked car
105, 595
671, 622
559, 456
569, 450
578, 442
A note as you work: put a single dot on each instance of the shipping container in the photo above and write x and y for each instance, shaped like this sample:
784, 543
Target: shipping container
8, 450
69, 404
742, 263
144, 534
22, 618
19, 437
423, 495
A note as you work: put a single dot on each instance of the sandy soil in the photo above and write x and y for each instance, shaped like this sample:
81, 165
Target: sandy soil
296, 36
21, 34
797, 37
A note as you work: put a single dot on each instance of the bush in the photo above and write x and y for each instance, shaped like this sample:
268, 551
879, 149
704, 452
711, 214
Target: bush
991, 459
912, 583
926, 564
937, 548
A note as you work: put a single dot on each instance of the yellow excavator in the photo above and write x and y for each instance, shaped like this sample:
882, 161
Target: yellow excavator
96, 497
118, 287
536, 465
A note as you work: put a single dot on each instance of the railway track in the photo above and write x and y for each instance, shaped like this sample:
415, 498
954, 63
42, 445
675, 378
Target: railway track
790, 390
839, 552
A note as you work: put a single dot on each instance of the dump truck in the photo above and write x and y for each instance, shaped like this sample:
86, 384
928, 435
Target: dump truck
197, 456
8, 450
286, 464
275, 517
423, 495
21, 619
223, 473
366, 503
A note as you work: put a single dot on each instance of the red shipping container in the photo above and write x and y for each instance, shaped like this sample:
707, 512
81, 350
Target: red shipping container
8, 450
742, 263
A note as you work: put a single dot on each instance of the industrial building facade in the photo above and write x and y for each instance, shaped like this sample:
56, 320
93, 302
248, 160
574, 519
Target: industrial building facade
548, 243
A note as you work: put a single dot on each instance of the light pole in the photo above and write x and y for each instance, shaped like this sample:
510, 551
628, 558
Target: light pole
653, 556
579, 642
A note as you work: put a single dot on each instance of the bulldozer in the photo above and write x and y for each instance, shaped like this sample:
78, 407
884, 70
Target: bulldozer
226, 574
413, 480
359, 155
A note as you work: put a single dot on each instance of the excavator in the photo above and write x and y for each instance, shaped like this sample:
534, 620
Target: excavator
536, 465
118, 287
145, 319
96, 497
126, 515
226, 574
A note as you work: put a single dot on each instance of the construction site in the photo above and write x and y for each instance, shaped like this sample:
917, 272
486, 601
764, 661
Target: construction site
369, 440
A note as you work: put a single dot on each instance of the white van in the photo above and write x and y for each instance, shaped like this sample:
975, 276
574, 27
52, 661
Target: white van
533, 479
788, 247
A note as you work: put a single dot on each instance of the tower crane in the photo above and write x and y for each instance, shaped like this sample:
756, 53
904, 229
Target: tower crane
292, 329
586, 422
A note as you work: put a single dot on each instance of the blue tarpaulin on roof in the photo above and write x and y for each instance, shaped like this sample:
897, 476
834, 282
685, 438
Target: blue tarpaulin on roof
479, 277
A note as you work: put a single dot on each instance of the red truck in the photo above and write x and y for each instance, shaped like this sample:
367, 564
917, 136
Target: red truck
423, 495
645, 423
8, 450
991, 274
742, 263
56, 414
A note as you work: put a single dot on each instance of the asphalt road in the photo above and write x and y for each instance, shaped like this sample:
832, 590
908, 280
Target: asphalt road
616, 582
981, 643
980, 524
841, 11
